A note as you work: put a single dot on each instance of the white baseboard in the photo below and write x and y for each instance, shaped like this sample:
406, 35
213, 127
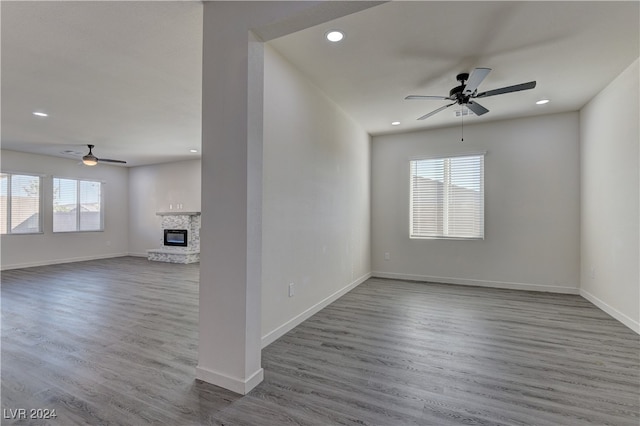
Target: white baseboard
629, 322
233, 384
479, 283
280, 331
60, 261
138, 254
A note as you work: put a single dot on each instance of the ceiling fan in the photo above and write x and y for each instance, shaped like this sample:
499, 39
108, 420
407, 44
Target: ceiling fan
92, 160
465, 94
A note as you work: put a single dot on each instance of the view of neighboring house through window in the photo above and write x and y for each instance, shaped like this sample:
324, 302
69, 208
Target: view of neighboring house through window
447, 197
77, 205
20, 204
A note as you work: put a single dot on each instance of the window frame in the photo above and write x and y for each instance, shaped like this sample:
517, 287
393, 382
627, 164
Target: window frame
40, 177
78, 205
442, 236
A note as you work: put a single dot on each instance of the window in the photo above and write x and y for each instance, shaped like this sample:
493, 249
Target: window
20, 204
447, 197
77, 205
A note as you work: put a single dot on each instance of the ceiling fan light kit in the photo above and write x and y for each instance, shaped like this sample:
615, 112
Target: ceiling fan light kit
88, 160
463, 112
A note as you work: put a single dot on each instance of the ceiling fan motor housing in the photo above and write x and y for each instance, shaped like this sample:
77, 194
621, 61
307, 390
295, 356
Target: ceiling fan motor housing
457, 95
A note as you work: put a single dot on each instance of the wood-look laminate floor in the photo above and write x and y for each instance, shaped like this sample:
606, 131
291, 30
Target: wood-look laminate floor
115, 342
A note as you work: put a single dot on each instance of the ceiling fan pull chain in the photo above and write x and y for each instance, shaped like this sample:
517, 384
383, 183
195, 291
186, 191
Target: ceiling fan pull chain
462, 127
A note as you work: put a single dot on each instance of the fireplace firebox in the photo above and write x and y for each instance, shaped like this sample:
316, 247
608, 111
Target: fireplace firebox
175, 237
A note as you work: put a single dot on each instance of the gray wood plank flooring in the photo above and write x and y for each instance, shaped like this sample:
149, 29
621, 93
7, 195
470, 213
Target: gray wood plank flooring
115, 342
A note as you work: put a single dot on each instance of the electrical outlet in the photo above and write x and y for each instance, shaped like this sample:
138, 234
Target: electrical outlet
292, 289
387, 255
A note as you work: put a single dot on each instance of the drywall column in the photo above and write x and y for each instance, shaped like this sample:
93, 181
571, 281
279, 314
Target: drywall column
230, 263
230, 238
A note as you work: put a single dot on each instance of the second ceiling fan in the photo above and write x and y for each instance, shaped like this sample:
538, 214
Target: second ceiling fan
466, 93
92, 160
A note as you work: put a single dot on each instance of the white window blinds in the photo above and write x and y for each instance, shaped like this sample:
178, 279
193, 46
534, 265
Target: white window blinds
77, 205
447, 197
90, 205
20, 207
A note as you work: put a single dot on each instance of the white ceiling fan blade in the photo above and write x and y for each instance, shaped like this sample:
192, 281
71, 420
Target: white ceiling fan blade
422, 97
436, 111
476, 77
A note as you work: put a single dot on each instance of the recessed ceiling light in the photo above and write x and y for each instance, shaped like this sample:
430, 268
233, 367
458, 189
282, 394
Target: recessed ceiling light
193, 150
542, 101
334, 35
395, 123
41, 114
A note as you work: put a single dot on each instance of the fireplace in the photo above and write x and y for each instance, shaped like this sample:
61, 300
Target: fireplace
181, 242
175, 237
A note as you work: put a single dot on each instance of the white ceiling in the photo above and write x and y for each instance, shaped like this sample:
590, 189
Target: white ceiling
572, 49
126, 76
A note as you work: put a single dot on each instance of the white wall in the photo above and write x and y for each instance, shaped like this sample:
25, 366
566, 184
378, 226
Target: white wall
49, 248
316, 197
155, 189
610, 182
531, 206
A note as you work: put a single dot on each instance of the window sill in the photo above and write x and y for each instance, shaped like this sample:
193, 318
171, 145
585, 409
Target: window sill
413, 237
77, 232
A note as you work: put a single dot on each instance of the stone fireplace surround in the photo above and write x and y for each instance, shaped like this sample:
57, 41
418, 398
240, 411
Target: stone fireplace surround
172, 254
